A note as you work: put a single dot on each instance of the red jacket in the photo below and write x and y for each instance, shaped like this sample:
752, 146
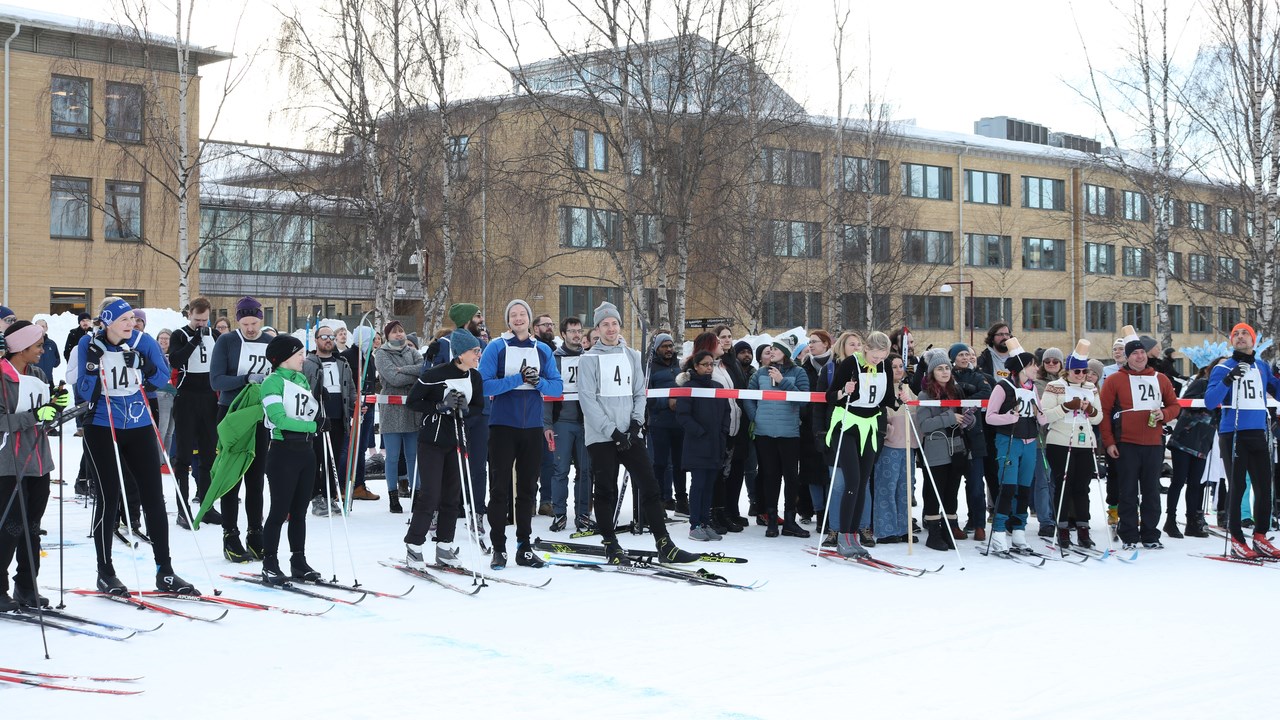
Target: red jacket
1117, 398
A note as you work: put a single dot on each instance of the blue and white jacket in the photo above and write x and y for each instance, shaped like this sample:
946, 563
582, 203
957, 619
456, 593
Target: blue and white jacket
1248, 409
516, 403
123, 393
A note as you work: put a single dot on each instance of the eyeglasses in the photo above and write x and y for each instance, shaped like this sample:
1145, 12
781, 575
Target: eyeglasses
325, 337
1003, 334
545, 325
1052, 361
707, 363
1076, 371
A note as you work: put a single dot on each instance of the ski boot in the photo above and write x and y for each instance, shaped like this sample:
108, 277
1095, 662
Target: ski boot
109, 584
559, 522
232, 549
1064, 538
1241, 549
1082, 537
499, 559
615, 553
669, 553
271, 572
413, 557
29, 598
300, 570
446, 555
253, 541
999, 542
1019, 540
1263, 546
848, 545
168, 582
526, 557
7, 604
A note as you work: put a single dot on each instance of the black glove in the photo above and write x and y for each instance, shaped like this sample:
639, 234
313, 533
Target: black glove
1237, 372
635, 433
205, 331
93, 357
459, 400
621, 440
530, 374
448, 403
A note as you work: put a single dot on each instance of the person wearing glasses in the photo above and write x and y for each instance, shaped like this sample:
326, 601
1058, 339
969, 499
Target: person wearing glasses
7, 318
195, 407
329, 378
1042, 487
1071, 405
544, 328
706, 427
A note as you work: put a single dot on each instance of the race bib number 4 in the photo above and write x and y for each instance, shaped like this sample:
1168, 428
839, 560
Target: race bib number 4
615, 375
517, 359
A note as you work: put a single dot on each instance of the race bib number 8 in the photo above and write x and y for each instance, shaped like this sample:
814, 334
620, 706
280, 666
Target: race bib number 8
615, 376
871, 390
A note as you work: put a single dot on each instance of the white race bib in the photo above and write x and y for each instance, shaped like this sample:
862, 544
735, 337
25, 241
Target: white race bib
330, 376
253, 358
871, 390
1026, 402
517, 359
1247, 393
121, 381
569, 373
1145, 390
198, 362
299, 403
615, 375
462, 385
32, 393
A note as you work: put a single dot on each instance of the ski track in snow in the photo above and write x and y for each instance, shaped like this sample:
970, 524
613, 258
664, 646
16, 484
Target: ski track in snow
1169, 636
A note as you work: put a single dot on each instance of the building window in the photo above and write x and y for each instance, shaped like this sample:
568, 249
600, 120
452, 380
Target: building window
586, 228
989, 251
1174, 264
1136, 263
930, 247
72, 300
793, 238
635, 157
581, 301
1175, 318
1228, 269
1042, 193
135, 298
1227, 221
864, 175
1097, 200
1044, 314
796, 168
578, 150
1197, 216
1228, 317
928, 312
926, 181
1100, 316
853, 310
599, 152
789, 309
987, 311
124, 112
458, 156
71, 106
69, 208
1136, 207
649, 230
1099, 259
853, 243
987, 188
1201, 319
1138, 315
122, 213
1198, 268
1043, 254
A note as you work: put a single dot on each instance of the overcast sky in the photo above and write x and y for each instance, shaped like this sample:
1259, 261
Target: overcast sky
942, 63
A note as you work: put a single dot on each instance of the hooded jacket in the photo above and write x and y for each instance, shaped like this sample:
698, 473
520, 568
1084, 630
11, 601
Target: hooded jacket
611, 391
23, 444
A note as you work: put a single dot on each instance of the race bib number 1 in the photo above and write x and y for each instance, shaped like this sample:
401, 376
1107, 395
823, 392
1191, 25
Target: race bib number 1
32, 393
1247, 393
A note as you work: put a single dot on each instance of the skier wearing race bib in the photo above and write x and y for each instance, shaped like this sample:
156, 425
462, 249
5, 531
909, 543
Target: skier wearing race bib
517, 370
290, 412
1137, 402
860, 391
611, 393
1013, 413
444, 395
1071, 405
563, 419
240, 358
329, 377
195, 408
120, 436
1242, 385
26, 458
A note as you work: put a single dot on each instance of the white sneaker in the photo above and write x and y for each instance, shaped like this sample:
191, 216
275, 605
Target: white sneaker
999, 542
1020, 539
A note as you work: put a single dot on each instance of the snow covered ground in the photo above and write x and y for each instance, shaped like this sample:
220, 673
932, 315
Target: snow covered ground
1169, 636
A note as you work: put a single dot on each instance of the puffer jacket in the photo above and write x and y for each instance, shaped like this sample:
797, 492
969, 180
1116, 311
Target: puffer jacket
942, 435
774, 418
398, 369
19, 428
706, 427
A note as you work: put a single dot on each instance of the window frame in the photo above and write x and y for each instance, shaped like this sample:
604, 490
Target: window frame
1091, 257
116, 132
71, 128
974, 179
599, 151
941, 317
923, 243
1100, 310
944, 188
972, 251
851, 242
1058, 251
1056, 193
1033, 308
1091, 200
579, 149
110, 210
86, 201
1135, 255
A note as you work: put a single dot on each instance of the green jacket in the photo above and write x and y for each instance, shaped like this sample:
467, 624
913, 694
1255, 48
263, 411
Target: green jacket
236, 438
274, 404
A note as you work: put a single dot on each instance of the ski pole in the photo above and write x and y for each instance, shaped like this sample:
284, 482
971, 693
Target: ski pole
62, 585
330, 482
929, 471
115, 446
346, 531
1102, 495
831, 489
469, 491
460, 435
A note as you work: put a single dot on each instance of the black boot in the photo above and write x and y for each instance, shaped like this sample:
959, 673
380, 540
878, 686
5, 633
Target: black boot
253, 541
669, 553
526, 557
791, 529
394, 497
299, 569
29, 598
771, 528
271, 573
7, 604
168, 582
1196, 528
1171, 527
108, 582
615, 552
232, 549
939, 538
1064, 537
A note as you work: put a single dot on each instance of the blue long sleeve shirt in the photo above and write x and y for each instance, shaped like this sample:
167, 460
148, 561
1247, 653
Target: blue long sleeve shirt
122, 402
1248, 411
516, 403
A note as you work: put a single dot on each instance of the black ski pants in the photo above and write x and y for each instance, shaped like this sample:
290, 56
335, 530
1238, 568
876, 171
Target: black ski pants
1247, 451
1071, 470
439, 487
20, 515
291, 471
139, 456
605, 459
521, 448
1138, 468
252, 481
195, 422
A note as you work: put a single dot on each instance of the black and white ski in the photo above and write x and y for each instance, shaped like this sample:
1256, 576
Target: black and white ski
295, 589
698, 577
351, 588
650, 556
454, 570
424, 575
80, 619
73, 629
